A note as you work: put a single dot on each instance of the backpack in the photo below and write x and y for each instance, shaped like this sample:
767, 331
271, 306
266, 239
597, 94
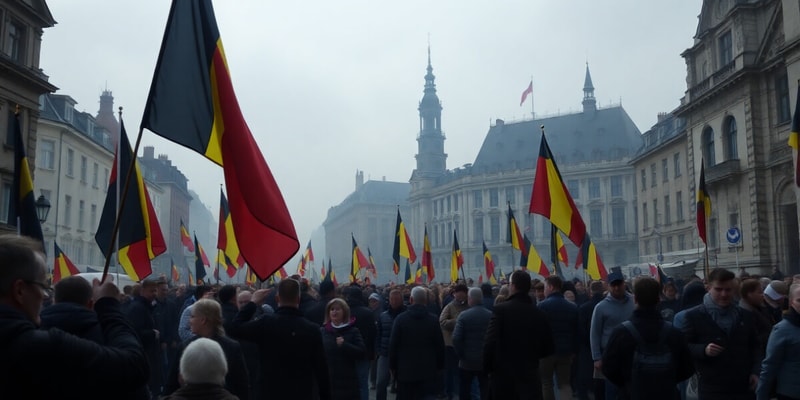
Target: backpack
653, 368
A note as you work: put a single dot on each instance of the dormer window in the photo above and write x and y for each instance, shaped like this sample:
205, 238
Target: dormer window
68, 112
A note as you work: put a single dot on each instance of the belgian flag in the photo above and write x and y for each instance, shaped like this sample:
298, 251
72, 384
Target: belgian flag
532, 261
226, 237
185, 238
794, 138
551, 199
402, 243
456, 259
589, 258
63, 266
22, 207
487, 260
200, 260
370, 267
176, 275
358, 262
514, 234
409, 275
427, 256
703, 205
192, 102
140, 239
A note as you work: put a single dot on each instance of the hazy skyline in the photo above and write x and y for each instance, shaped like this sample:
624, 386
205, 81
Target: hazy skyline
329, 88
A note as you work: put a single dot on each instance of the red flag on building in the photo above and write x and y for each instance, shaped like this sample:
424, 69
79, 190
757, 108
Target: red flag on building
526, 93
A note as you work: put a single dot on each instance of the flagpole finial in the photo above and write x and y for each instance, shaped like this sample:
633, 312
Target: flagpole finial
542, 128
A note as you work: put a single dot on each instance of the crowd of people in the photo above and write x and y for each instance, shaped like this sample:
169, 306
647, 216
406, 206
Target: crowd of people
728, 337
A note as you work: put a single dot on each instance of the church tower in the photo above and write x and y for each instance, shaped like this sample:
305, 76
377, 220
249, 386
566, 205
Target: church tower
430, 141
589, 102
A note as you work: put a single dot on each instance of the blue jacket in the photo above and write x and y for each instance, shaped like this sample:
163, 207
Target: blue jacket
783, 359
563, 318
384, 325
607, 315
469, 336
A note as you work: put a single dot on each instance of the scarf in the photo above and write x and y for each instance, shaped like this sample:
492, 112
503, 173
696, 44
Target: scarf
724, 317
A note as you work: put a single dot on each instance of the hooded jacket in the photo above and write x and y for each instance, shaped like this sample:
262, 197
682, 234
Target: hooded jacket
607, 315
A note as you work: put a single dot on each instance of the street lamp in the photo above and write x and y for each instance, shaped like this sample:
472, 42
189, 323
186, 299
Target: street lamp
42, 208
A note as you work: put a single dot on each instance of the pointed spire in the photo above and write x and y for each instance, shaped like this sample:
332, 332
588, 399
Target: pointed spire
589, 102
429, 77
587, 82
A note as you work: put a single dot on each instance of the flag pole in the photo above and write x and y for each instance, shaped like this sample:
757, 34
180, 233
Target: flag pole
122, 197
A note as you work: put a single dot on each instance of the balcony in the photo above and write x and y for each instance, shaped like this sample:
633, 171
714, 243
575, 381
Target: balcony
715, 79
722, 171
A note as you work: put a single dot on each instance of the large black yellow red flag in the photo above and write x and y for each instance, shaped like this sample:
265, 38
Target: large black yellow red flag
794, 138
487, 260
192, 102
22, 207
185, 238
456, 259
589, 259
402, 244
551, 199
226, 237
63, 266
427, 257
358, 262
532, 261
703, 205
514, 234
200, 260
140, 238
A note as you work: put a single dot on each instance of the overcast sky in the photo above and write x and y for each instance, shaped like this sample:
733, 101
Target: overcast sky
331, 87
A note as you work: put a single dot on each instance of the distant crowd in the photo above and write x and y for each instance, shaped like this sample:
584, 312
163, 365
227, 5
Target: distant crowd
725, 337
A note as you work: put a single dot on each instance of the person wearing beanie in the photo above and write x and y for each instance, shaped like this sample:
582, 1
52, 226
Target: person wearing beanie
608, 314
774, 295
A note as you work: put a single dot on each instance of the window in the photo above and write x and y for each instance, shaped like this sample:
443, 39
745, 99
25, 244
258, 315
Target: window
15, 43
645, 216
725, 49
5, 201
78, 250
84, 168
81, 211
455, 202
47, 154
494, 199
616, 186
105, 178
712, 233
664, 170
733, 219
618, 221
669, 244
511, 195
653, 175
95, 175
679, 206
667, 211
449, 205
436, 240
435, 208
573, 185
730, 138
93, 216
594, 188
596, 222
10, 127
644, 180
477, 199
708, 146
656, 215
782, 100
495, 228
68, 211
676, 161
477, 232
681, 242
70, 162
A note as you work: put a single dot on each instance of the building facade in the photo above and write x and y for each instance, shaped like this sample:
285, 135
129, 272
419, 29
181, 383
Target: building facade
21, 84
742, 74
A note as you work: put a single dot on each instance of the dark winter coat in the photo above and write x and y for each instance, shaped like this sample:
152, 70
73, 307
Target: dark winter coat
342, 359
469, 336
237, 379
365, 320
316, 313
202, 391
563, 318
292, 358
81, 368
75, 319
725, 376
416, 346
385, 323
618, 357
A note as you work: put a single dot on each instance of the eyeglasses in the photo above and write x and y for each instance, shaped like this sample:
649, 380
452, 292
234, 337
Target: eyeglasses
47, 291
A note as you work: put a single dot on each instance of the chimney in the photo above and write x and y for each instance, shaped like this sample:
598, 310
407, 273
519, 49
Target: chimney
149, 152
359, 179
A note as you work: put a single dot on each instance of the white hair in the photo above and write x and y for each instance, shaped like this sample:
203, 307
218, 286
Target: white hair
203, 361
419, 295
476, 295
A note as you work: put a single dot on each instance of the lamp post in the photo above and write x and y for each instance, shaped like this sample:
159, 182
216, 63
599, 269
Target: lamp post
42, 208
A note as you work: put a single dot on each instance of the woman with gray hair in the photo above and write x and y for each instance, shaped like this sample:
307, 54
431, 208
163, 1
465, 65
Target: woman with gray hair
202, 371
205, 321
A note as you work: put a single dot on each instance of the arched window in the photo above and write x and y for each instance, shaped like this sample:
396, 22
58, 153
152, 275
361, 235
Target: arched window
730, 139
708, 146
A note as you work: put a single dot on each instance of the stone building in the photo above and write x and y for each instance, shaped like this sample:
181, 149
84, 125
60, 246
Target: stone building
21, 84
742, 74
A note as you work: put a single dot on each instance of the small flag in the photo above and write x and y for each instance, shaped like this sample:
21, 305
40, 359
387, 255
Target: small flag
62, 267
456, 259
309, 254
371, 266
514, 235
22, 205
251, 278
358, 262
487, 260
703, 205
226, 237
427, 257
593, 264
532, 261
526, 93
185, 238
200, 260
409, 277
794, 138
418, 275
176, 275
402, 243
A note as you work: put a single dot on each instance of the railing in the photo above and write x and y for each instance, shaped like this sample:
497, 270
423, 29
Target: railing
723, 170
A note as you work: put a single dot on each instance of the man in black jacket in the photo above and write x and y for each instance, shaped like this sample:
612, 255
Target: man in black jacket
316, 313
563, 318
724, 342
618, 359
416, 349
290, 346
140, 313
82, 368
518, 337
365, 322
385, 324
